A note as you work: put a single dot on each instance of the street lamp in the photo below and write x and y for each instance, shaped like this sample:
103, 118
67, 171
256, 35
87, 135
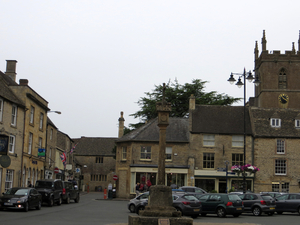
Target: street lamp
239, 83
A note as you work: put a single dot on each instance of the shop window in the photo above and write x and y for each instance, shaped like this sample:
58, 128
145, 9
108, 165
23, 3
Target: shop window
146, 180
175, 180
206, 184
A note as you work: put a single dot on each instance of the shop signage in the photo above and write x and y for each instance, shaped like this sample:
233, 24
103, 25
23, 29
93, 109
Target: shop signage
3, 144
41, 152
5, 161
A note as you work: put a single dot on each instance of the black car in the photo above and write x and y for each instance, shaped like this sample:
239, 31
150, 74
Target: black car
221, 204
187, 204
192, 189
51, 190
288, 203
21, 198
258, 203
69, 192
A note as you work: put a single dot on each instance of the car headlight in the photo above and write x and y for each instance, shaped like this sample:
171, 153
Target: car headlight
21, 200
46, 194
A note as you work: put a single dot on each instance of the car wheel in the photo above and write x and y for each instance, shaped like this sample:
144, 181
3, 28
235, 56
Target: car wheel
270, 214
77, 199
59, 201
140, 209
26, 207
221, 212
203, 214
51, 202
39, 206
68, 200
236, 214
132, 208
179, 210
256, 211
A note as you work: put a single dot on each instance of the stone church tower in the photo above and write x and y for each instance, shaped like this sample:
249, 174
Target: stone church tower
279, 75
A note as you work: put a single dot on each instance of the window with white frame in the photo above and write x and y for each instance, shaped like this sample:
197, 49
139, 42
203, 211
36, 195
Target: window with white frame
1, 109
51, 134
31, 115
12, 143
9, 179
297, 123
275, 186
280, 167
124, 153
280, 146
208, 140
41, 121
30, 143
208, 160
14, 116
275, 122
40, 142
146, 152
168, 153
237, 141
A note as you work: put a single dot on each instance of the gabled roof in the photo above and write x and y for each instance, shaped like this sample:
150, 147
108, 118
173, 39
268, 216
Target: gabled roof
6, 92
260, 118
177, 131
94, 146
215, 119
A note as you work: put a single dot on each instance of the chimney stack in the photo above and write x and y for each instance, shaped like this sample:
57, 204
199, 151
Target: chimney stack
121, 126
11, 69
23, 82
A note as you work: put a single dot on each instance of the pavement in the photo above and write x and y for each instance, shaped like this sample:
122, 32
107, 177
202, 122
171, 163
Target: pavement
101, 197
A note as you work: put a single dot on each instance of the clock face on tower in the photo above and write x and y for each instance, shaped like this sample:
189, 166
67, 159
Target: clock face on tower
283, 98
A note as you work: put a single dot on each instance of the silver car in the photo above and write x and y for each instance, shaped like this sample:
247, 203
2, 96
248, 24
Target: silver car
135, 201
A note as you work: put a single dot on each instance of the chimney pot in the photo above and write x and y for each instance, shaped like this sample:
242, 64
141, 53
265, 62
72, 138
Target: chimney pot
23, 82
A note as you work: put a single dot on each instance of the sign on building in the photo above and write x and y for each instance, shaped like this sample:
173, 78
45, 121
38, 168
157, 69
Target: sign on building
3, 144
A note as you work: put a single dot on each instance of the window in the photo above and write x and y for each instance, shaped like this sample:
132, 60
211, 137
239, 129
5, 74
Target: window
1, 109
40, 142
275, 186
124, 153
275, 122
12, 141
237, 141
14, 116
169, 153
208, 160
282, 79
297, 123
280, 146
30, 143
208, 140
285, 187
237, 159
146, 152
41, 121
9, 179
280, 167
99, 159
51, 134
31, 120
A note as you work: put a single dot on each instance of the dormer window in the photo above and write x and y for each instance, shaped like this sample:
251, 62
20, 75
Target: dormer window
275, 122
297, 123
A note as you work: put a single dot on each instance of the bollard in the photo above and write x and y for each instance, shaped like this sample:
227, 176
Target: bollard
105, 193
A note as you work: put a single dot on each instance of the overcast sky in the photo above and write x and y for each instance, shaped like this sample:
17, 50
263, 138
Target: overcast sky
92, 59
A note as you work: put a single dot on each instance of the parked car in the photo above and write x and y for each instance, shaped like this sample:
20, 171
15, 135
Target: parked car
51, 190
135, 201
258, 203
239, 192
221, 204
21, 198
273, 194
69, 192
189, 189
187, 204
288, 203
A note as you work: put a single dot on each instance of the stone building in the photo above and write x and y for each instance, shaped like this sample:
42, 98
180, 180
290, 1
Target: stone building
12, 112
96, 157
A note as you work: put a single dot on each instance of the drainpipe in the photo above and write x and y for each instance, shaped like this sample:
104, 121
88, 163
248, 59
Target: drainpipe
22, 166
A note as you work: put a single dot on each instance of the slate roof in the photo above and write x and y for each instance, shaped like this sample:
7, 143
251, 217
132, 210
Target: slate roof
215, 119
93, 146
177, 131
6, 92
260, 118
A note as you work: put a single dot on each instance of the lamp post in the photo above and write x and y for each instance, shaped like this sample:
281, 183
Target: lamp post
239, 83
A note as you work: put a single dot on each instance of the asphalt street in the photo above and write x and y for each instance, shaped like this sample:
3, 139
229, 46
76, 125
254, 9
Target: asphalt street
94, 210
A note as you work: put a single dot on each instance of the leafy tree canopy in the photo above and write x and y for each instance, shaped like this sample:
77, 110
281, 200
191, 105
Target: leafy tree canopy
178, 95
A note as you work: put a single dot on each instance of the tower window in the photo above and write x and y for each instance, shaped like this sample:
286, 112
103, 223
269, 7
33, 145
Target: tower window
282, 79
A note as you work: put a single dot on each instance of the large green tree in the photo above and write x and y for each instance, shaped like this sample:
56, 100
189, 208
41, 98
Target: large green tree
178, 95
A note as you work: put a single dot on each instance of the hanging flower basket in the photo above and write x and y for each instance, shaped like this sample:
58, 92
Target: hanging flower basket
242, 169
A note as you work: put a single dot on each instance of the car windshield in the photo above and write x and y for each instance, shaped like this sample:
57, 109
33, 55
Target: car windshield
267, 197
43, 184
234, 197
15, 191
190, 197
